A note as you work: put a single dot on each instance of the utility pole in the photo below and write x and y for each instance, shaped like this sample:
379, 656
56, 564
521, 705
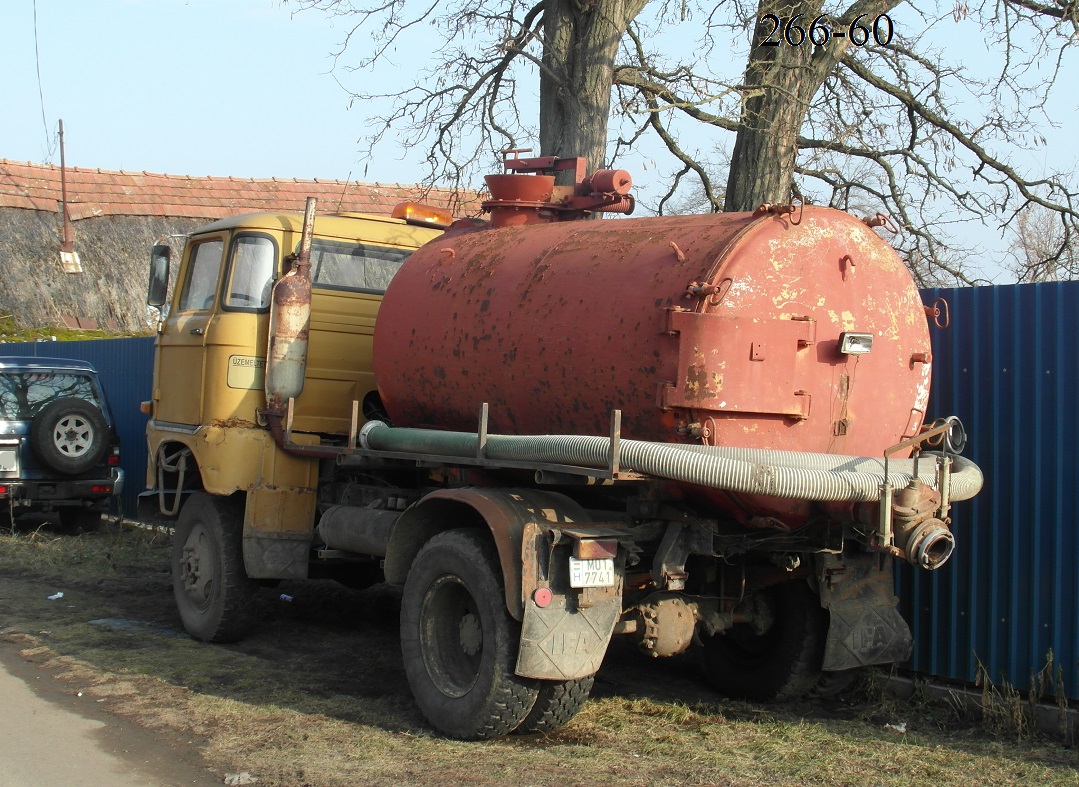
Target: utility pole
69, 258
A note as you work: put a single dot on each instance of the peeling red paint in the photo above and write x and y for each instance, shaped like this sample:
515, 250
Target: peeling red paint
555, 324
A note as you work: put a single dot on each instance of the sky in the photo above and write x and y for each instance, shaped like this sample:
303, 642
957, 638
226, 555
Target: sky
248, 88
186, 87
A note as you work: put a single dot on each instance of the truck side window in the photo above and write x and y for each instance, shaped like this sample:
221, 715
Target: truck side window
337, 265
251, 272
202, 270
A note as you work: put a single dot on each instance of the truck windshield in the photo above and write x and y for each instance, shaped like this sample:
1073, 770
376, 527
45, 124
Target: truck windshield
251, 272
339, 265
202, 271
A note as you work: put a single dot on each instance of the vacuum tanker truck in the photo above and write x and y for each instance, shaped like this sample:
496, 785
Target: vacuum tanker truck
702, 433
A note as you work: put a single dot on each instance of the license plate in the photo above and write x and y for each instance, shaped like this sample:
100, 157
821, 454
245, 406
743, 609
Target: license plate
591, 573
7, 460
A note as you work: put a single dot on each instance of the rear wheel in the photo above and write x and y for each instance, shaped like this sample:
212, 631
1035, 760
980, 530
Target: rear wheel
458, 641
833, 684
213, 593
556, 704
778, 659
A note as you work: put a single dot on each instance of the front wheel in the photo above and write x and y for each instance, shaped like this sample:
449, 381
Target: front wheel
458, 641
213, 593
780, 658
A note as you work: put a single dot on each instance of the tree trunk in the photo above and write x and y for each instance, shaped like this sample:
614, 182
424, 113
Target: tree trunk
780, 81
580, 44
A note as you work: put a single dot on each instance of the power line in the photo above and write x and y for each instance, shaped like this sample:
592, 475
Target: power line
49, 147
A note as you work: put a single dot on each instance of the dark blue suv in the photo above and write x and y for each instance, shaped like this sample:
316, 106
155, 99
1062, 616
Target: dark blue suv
59, 451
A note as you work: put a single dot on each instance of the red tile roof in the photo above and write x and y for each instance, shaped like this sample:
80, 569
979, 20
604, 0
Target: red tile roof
96, 192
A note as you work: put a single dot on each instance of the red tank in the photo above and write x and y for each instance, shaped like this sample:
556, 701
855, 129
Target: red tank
737, 329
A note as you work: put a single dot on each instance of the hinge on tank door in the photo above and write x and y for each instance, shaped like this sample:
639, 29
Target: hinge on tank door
808, 333
715, 293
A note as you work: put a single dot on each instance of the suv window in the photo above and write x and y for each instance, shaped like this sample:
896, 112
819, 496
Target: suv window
339, 265
24, 394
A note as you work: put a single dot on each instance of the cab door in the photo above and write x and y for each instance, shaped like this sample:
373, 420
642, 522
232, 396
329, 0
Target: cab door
181, 344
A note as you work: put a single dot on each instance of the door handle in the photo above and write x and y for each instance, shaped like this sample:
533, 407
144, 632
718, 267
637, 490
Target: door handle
196, 331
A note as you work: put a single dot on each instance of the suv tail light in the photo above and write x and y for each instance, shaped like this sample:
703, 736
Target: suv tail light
114, 457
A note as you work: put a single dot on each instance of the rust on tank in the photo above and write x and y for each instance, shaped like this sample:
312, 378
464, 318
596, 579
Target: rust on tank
701, 383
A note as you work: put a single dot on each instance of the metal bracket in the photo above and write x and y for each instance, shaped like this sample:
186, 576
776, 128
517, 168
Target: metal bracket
615, 450
681, 540
354, 424
481, 441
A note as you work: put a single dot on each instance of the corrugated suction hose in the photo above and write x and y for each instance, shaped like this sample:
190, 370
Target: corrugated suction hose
785, 474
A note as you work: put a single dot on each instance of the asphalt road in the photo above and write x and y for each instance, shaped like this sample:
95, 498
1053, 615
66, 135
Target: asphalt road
51, 737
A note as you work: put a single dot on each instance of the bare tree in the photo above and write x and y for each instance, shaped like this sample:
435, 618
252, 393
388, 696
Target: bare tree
1043, 248
464, 104
840, 105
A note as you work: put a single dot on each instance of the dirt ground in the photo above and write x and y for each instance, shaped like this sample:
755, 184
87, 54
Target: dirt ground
318, 696
50, 736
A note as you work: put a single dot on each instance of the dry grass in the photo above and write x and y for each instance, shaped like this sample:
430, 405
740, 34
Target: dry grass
36, 293
318, 696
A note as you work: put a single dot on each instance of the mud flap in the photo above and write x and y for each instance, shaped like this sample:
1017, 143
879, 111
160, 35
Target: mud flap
276, 556
860, 635
278, 531
561, 643
866, 627
567, 638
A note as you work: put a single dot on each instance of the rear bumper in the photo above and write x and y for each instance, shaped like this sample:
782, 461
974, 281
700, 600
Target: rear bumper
33, 493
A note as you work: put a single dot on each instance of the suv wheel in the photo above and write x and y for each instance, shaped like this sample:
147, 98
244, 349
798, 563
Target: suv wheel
69, 436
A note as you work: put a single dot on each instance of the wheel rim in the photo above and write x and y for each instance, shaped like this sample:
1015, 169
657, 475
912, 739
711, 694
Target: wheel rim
73, 436
451, 636
197, 567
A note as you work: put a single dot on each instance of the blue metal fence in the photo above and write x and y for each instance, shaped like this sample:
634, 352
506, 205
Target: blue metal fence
125, 367
1008, 366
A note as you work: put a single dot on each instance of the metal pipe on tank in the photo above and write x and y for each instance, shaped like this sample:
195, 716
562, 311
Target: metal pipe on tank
290, 323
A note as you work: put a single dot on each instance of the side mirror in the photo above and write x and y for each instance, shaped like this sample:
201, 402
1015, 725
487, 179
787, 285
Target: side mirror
158, 287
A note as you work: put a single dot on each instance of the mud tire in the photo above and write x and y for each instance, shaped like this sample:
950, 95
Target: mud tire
780, 664
458, 641
213, 593
556, 704
835, 684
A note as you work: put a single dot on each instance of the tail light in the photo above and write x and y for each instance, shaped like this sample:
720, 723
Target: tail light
114, 457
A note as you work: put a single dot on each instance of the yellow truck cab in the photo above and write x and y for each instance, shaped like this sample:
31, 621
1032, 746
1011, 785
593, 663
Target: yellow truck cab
204, 432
